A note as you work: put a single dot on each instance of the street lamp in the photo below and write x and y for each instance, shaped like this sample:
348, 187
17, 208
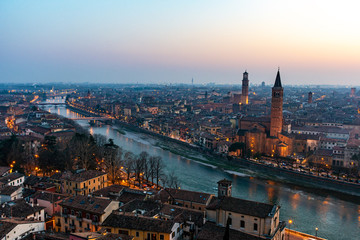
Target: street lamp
316, 230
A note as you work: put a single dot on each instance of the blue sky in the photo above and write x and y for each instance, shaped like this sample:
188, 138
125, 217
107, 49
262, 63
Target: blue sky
314, 42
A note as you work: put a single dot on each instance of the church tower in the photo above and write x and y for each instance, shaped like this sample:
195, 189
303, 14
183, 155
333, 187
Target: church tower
245, 89
276, 107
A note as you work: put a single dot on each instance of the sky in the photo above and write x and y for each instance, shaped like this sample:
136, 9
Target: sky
142, 41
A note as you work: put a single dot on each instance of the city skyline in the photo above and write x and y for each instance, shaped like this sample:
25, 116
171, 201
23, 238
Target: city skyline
159, 42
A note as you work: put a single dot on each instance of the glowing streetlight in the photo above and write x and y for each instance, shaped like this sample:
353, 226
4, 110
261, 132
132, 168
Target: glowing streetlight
316, 230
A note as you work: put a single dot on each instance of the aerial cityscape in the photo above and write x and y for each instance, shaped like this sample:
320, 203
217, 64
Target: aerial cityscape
167, 121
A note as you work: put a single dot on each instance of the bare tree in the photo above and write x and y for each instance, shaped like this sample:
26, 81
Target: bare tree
171, 180
112, 160
129, 160
140, 165
158, 169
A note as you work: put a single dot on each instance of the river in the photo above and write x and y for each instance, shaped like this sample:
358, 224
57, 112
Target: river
336, 218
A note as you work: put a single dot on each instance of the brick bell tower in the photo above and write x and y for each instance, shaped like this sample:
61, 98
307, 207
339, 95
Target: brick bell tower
245, 89
276, 107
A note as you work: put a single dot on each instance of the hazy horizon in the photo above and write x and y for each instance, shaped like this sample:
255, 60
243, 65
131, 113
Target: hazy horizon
313, 42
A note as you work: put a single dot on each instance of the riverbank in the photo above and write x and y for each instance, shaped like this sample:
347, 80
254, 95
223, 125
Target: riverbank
307, 207
242, 166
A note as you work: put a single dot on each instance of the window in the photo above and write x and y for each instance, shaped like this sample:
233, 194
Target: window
94, 180
162, 237
72, 212
88, 216
255, 227
242, 224
173, 235
137, 234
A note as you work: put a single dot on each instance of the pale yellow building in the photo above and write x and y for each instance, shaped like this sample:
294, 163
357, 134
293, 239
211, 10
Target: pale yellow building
142, 228
84, 182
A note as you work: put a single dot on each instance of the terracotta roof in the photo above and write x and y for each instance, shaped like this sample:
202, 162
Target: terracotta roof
8, 190
85, 203
151, 208
6, 227
83, 176
184, 195
128, 195
32, 180
109, 191
214, 232
4, 170
241, 206
19, 209
11, 177
120, 220
48, 196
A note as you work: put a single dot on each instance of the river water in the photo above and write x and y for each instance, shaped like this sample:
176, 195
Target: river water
337, 219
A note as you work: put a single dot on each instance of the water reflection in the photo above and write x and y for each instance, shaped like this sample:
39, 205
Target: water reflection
336, 218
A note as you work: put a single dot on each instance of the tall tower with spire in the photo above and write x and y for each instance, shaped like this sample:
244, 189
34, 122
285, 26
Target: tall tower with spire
276, 107
245, 89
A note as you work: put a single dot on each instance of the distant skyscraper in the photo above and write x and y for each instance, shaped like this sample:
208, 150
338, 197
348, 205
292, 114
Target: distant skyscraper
263, 84
245, 89
353, 92
310, 95
276, 121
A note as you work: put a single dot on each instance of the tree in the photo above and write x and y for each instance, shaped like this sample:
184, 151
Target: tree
171, 180
158, 169
83, 150
140, 165
129, 160
238, 147
112, 160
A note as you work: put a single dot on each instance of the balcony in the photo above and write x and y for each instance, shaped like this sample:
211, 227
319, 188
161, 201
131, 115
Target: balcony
79, 218
96, 223
65, 215
72, 226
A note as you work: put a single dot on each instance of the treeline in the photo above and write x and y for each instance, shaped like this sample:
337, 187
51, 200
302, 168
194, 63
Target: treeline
89, 152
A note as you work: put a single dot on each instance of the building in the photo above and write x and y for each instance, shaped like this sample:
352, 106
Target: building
310, 97
83, 182
245, 89
142, 228
12, 179
265, 135
19, 229
276, 107
49, 200
254, 218
185, 198
83, 213
10, 193
21, 209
